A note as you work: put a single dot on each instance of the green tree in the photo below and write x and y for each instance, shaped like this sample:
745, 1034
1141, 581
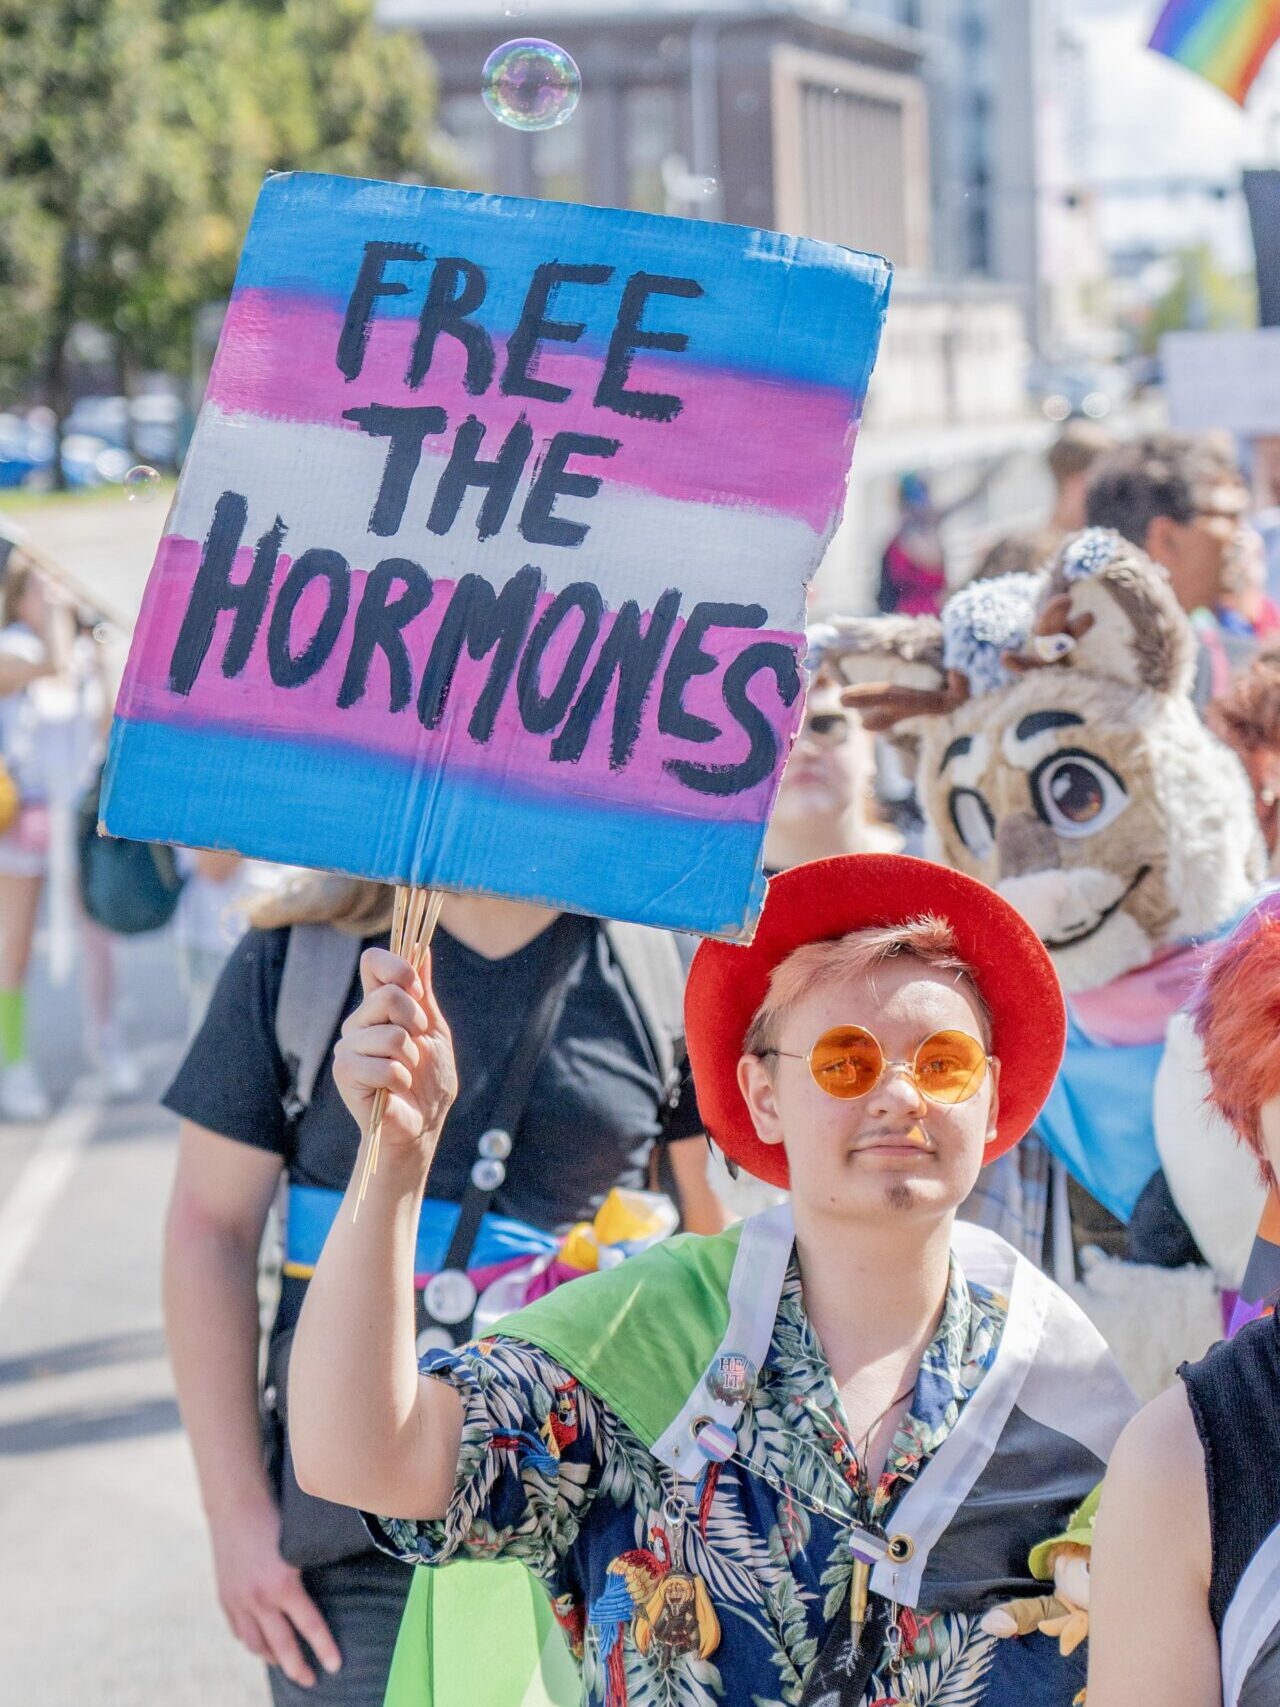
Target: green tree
1203, 297
134, 135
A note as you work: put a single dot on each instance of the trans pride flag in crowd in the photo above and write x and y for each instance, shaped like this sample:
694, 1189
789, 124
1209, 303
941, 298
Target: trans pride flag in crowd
487, 567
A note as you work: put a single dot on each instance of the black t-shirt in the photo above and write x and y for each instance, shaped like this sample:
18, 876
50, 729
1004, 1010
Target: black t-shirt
595, 1110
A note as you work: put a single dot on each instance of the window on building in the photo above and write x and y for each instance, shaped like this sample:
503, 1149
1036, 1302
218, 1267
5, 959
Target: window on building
853, 144
652, 134
466, 121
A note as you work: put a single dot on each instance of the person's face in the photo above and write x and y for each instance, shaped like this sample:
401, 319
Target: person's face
1266, 454
1196, 552
891, 1152
827, 769
1262, 765
1071, 501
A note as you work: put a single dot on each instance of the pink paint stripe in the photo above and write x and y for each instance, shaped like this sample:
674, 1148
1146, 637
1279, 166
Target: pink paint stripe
251, 701
739, 441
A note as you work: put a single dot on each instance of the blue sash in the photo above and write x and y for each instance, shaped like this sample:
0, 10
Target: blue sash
1098, 1120
500, 1242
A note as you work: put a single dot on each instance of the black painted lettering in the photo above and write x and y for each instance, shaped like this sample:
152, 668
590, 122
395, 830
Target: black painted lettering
290, 669
483, 621
379, 627
538, 521
541, 709
632, 652
215, 591
498, 478
689, 660
762, 754
457, 289
629, 336
370, 285
407, 429
533, 328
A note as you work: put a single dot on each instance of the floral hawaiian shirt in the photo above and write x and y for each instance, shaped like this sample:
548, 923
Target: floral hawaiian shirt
736, 1589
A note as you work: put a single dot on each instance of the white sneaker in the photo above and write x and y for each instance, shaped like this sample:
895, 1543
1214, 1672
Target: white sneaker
120, 1071
21, 1093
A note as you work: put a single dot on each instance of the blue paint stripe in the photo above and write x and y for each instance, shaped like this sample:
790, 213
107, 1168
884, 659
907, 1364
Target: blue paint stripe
787, 308
377, 817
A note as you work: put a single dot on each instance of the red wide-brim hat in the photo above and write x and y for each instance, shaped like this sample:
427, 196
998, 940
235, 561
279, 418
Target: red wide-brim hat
831, 897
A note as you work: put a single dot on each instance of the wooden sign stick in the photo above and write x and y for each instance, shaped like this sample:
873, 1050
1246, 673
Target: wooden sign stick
413, 924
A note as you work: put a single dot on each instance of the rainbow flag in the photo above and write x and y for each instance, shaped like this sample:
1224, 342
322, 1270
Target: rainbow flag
1226, 41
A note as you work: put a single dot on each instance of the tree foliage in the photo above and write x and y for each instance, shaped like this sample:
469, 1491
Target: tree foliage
134, 136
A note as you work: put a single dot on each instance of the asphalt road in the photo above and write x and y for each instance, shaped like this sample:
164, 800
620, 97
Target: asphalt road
106, 1588
105, 1582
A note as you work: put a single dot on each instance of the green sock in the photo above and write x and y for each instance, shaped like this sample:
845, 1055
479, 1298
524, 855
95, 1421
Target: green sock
13, 1026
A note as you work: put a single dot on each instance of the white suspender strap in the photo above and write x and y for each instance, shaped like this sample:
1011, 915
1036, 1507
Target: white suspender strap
1251, 1617
755, 1288
944, 1484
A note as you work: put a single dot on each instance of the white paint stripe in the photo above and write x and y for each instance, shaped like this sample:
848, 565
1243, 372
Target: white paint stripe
1251, 1617
324, 481
40, 1184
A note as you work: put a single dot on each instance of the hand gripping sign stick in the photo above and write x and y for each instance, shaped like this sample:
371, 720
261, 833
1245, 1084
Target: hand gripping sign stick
413, 925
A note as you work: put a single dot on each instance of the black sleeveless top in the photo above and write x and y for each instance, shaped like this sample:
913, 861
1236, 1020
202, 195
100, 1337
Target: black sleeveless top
1234, 1394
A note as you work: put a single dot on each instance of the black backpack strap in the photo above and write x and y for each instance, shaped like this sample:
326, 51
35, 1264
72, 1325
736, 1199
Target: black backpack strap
655, 965
452, 1289
319, 963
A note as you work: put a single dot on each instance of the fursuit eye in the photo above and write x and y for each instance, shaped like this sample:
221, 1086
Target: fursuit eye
1076, 794
973, 820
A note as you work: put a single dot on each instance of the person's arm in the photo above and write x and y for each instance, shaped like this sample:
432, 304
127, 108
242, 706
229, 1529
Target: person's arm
221, 1194
701, 1211
365, 1428
1151, 1637
17, 673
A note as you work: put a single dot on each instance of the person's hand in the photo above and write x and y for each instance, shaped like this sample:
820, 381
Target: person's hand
263, 1598
397, 1041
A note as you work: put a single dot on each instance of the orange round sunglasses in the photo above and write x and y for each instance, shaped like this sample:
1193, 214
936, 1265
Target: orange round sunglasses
848, 1062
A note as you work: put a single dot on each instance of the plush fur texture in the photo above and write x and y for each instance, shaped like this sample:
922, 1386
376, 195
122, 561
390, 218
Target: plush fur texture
1212, 1176
1152, 1318
1088, 791
1237, 1019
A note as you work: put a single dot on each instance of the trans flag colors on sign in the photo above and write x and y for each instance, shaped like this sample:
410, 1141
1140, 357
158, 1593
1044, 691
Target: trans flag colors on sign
487, 566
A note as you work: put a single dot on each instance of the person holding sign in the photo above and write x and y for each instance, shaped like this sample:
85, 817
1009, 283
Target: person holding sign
300, 1582
794, 1461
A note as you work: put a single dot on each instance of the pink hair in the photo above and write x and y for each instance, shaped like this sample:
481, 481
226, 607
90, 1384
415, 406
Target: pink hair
926, 938
1236, 1010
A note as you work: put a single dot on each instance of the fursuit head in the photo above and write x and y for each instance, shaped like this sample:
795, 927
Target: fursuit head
1059, 757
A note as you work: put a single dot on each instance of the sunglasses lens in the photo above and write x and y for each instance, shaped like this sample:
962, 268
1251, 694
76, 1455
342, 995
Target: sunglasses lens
846, 1061
950, 1066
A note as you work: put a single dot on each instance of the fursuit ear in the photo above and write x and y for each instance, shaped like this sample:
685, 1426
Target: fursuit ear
891, 667
1108, 610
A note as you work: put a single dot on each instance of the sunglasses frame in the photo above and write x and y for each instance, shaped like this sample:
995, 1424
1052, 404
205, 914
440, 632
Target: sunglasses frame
908, 1067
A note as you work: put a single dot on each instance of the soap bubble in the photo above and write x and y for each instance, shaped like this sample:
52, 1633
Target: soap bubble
141, 484
531, 84
517, 8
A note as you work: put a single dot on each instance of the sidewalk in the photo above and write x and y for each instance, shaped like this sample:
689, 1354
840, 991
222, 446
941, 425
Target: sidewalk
105, 1577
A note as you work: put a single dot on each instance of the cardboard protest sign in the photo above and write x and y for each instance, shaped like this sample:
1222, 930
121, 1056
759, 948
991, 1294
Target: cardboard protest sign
486, 569
1229, 381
